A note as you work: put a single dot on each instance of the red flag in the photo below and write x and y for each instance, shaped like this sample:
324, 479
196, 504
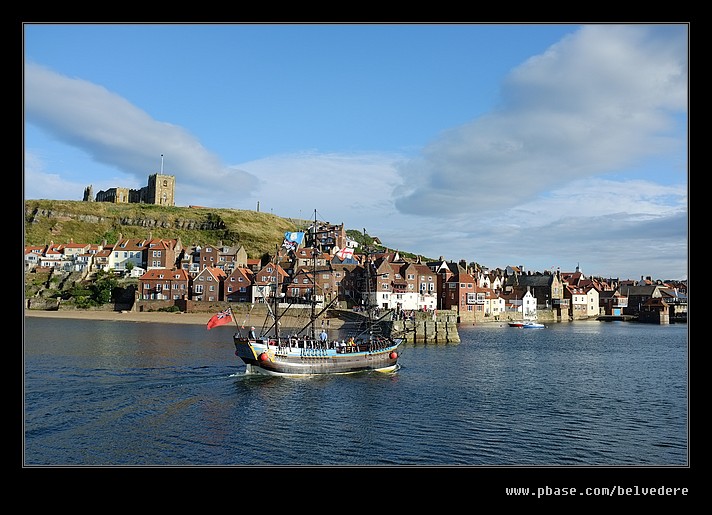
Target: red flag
222, 318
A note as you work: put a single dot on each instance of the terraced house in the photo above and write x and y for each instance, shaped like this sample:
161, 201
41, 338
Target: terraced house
216, 273
164, 284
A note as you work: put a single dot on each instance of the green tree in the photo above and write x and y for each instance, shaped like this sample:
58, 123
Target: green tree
103, 287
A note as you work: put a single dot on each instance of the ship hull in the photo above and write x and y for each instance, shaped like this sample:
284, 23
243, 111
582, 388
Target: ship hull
263, 357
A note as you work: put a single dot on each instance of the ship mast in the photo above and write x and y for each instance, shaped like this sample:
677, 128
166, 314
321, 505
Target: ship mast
313, 299
367, 257
276, 295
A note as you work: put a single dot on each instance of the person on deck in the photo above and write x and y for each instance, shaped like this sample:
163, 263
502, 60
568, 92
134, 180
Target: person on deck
253, 336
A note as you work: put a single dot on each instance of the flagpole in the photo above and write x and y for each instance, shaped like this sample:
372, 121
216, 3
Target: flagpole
234, 319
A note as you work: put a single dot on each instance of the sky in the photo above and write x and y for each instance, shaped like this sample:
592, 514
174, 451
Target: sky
537, 145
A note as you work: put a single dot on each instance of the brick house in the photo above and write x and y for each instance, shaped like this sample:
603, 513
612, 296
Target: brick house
299, 287
162, 253
266, 280
209, 256
461, 296
208, 285
222, 256
164, 284
238, 285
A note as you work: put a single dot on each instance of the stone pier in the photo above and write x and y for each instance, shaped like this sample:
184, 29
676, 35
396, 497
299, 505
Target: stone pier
426, 328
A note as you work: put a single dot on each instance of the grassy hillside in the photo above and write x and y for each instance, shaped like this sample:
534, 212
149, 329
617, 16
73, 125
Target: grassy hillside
93, 222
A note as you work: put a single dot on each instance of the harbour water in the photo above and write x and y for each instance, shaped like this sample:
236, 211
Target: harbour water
582, 394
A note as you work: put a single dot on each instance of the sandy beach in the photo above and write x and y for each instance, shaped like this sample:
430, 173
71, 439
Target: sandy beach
153, 316
125, 316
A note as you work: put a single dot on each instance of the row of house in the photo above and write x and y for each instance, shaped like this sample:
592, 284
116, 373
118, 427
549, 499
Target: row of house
216, 273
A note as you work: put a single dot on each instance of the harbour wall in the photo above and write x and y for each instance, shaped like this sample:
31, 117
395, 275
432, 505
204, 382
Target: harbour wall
426, 328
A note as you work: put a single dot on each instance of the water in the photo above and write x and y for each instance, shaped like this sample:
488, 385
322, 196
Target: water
574, 394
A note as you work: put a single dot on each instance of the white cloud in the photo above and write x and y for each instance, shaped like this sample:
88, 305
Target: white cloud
116, 133
598, 101
354, 188
38, 184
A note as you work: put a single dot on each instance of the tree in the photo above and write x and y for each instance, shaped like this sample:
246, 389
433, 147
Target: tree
103, 287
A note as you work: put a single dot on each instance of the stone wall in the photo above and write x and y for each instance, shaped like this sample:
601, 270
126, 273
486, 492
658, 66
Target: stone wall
426, 328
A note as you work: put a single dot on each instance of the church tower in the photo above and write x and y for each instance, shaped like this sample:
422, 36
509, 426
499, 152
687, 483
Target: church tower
161, 190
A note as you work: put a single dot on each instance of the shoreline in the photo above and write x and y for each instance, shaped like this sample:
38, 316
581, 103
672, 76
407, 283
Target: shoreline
153, 316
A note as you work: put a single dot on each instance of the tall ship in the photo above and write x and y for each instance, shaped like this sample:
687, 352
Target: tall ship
307, 353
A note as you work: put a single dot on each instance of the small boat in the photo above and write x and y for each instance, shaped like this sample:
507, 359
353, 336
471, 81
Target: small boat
532, 325
312, 355
516, 324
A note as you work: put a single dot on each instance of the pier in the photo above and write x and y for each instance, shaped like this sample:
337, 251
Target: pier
418, 327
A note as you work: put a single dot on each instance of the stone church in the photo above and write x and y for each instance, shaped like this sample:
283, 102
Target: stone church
160, 190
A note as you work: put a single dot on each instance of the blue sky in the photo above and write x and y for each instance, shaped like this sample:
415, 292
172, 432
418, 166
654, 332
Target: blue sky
542, 145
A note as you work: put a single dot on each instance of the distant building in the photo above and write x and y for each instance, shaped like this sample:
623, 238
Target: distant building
160, 190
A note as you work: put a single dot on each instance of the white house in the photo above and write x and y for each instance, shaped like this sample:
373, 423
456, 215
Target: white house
528, 306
